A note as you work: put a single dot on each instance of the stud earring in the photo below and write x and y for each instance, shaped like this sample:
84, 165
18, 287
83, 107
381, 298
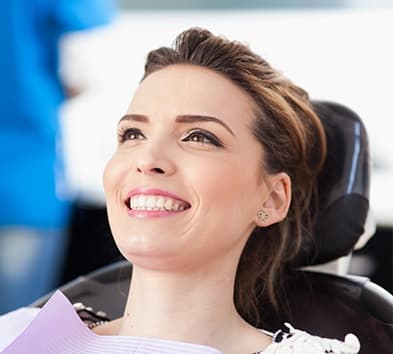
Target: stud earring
263, 215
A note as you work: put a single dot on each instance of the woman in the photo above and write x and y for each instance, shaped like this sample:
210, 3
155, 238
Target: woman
208, 196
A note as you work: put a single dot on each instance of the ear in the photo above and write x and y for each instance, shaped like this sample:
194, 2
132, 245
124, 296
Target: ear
277, 201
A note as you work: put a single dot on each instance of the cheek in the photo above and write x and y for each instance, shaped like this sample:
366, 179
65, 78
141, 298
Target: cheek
109, 180
112, 180
226, 211
111, 176
227, 188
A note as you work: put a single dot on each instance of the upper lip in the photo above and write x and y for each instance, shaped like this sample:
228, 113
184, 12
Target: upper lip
153, 191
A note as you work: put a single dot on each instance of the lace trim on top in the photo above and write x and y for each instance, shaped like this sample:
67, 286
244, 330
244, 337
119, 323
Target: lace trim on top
295, 341
285, 341
89, 316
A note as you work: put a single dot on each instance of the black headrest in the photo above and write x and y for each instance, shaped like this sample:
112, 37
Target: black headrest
343, 186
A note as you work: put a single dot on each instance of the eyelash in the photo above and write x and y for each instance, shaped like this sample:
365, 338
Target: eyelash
125, 133
211, 138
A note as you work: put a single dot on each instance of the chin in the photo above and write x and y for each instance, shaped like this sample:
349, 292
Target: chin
145, 254
154, 262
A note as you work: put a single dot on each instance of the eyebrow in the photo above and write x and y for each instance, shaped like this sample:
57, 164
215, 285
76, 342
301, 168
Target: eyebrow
183, 118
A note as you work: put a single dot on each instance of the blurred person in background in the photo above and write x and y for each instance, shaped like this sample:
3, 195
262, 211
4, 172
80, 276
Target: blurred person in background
35, 203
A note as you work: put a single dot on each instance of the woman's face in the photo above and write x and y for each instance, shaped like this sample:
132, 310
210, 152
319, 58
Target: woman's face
185, 183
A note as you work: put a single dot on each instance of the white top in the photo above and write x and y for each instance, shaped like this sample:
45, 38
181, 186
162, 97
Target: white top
57, 329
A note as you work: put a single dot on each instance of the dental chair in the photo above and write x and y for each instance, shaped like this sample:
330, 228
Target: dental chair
324, 304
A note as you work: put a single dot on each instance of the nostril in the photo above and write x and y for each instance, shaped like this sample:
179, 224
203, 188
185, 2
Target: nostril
150, 170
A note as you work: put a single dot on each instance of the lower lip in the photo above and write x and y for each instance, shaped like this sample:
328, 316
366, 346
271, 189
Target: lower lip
152, 213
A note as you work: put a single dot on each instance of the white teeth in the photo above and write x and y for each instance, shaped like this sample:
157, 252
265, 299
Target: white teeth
160, 202
157, 203
150, 202
132, 204
140, 201
168, 204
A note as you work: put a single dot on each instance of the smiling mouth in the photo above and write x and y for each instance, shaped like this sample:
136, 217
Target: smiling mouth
155, 203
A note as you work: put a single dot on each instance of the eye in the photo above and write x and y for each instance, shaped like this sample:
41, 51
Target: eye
126, 134
201, 136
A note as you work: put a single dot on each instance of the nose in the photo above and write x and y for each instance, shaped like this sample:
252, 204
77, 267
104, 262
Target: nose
152, 161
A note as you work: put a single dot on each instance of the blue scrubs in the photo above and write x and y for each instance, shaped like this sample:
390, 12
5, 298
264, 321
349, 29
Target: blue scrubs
33, 192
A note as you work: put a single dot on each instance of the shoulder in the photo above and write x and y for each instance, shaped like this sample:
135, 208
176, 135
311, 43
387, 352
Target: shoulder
295, 341
13, 323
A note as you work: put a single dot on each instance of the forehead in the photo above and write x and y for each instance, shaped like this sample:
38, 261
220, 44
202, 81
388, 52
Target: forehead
191, 89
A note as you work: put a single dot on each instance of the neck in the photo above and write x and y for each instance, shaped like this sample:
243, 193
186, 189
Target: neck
191, 306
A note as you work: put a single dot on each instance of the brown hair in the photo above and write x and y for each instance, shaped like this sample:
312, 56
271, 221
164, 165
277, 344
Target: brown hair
293, 141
